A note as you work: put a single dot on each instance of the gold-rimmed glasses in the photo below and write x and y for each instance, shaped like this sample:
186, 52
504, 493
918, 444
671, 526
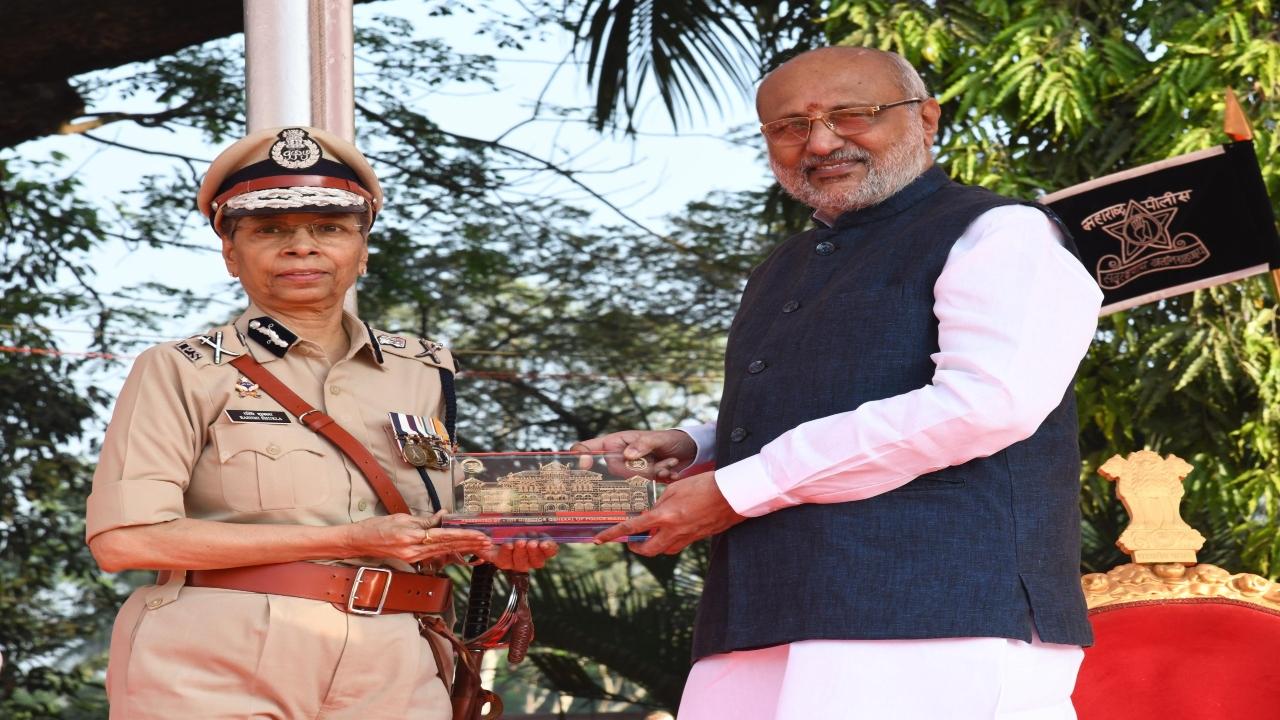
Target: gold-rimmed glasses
843, 122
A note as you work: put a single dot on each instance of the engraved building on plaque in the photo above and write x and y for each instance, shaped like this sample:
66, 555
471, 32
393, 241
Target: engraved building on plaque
553, 487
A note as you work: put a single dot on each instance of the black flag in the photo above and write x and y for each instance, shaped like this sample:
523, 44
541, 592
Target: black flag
1172, 226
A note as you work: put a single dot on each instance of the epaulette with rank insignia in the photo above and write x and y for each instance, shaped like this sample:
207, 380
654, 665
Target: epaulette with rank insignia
191, 352
215, 347
427, 352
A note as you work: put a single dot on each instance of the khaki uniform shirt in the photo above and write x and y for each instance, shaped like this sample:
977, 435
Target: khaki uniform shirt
191, 437
173, 450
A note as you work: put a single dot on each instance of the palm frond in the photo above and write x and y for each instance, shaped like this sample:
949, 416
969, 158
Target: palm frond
690, 51
639, 626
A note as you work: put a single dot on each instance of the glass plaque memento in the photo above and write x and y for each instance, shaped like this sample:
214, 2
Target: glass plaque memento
566, 497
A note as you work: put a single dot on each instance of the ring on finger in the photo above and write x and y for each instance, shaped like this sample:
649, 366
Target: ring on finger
426, 538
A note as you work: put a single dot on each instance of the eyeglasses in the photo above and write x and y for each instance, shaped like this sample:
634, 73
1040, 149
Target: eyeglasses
323, 231
843, 122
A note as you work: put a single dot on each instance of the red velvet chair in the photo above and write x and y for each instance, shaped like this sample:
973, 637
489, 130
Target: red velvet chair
1175, 640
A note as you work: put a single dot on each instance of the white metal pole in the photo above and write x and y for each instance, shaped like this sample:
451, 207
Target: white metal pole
277, 63
300, 68
333, 67
332, 72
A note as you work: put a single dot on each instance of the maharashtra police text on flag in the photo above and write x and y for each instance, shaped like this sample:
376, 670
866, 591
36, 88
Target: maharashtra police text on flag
1172, 226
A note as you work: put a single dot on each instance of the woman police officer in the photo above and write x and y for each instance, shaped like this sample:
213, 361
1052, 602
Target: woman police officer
290, 583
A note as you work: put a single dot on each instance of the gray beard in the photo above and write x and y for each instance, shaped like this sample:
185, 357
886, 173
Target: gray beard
886, 175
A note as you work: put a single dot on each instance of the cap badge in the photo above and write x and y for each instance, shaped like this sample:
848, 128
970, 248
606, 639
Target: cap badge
295, 149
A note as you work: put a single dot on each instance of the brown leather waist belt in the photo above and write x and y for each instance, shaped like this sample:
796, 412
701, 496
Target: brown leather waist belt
359, 590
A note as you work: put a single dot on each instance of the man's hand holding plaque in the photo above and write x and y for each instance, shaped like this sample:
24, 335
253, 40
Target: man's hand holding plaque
688, 510
670, 449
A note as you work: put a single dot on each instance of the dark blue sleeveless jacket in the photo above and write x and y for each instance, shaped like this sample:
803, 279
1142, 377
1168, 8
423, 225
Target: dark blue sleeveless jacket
836, 317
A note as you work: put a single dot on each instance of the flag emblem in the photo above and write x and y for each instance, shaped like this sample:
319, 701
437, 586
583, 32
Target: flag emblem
1146, 243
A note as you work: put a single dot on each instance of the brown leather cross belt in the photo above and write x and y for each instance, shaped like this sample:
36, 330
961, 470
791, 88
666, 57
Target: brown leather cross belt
359, 590
362, 590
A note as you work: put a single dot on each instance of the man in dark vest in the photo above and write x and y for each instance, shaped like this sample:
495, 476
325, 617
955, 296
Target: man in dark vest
893, 515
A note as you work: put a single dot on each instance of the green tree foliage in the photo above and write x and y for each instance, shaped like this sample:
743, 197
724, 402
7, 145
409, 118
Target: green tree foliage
574, 326
45, 482
55, 607
635, 618
694, 53
1040, 95
1044, 94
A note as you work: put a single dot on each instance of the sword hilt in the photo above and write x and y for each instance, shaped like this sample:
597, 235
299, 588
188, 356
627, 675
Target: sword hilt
521, 634
479, 602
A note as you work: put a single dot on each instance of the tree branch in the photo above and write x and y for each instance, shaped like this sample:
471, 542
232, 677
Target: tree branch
145, 119
546, 165
160, 153
187, 160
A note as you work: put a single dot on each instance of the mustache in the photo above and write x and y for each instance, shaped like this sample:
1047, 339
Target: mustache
841, 155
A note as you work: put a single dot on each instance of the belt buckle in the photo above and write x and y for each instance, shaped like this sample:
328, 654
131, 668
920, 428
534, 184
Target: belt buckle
351, 599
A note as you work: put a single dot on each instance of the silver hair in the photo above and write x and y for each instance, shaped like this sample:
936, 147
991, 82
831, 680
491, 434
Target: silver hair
904, 73
909, 80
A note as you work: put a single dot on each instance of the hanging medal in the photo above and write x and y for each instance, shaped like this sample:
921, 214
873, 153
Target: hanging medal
423, 442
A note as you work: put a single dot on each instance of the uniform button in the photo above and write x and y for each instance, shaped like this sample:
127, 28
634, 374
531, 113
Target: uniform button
738, 435
757, 366
155, 602
362, 505
273, 449
335, 390
825, 248
791, 306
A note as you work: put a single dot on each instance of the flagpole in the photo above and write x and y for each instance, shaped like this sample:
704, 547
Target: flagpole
1236, 124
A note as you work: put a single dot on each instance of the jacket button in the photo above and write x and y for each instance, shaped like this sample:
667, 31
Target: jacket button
335, 390
273, 449
362, 505
825, 247
791, 306
738, 435
757, 366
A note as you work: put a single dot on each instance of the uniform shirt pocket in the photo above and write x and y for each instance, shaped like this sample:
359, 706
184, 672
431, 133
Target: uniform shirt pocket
272, 467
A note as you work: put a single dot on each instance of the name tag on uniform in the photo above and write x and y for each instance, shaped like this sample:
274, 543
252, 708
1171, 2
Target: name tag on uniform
271, 417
